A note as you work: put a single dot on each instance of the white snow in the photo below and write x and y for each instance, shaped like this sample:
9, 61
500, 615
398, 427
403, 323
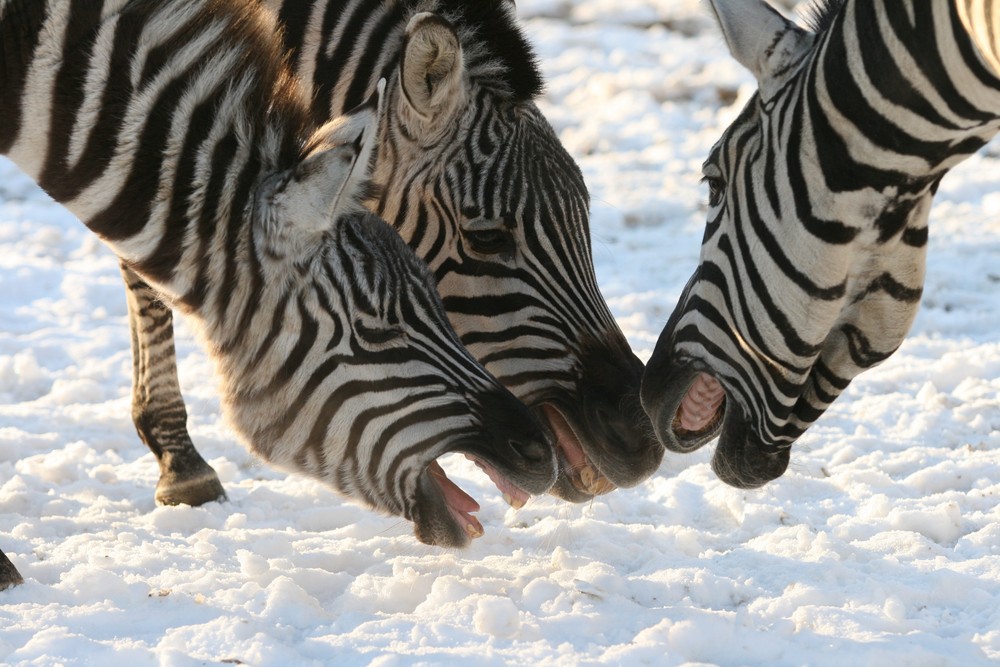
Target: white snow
881, 545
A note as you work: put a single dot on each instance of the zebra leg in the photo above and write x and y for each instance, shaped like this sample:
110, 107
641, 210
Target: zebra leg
157, 405
9, 576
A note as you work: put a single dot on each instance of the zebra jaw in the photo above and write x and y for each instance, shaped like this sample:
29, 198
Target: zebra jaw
582, 473
461, 506
689, 407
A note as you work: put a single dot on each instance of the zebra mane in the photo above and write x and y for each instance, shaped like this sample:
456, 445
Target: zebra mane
495, 45
820, 14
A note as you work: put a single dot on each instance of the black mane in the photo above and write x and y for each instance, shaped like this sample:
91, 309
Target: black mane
819, 17
500, 39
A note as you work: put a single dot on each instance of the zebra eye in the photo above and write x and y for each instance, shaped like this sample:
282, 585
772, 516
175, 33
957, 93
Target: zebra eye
716, 189
489, 237
378, 334
490, 241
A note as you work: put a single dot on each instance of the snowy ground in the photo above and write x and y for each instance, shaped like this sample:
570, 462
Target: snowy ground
881, 545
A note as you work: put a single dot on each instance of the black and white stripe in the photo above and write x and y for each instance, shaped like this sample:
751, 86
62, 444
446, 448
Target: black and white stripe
175, 130
476, 181
812, 265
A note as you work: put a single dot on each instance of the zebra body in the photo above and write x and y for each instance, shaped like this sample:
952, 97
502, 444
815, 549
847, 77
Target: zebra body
812, 265
175, 130
476, 181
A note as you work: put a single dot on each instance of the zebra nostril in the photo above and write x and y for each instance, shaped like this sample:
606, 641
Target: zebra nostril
605, 418
532, 450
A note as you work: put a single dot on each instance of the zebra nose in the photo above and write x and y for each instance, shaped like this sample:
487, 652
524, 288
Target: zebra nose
509, 421
533, 451
612, 411
620, 429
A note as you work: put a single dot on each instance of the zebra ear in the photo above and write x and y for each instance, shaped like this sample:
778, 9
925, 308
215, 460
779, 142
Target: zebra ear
762, 40
298, 205
304, 202
431, 76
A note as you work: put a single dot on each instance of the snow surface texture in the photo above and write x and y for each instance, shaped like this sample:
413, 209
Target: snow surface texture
880, 545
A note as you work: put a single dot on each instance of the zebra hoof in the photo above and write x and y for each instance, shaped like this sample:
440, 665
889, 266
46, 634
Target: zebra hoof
196, 490
9, 576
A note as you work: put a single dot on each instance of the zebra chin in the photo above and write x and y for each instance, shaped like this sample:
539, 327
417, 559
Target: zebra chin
509, 447
745, 461
443, 514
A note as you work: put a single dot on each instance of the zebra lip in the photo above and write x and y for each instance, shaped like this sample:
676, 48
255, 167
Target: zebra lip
583, 474
513, 495
460, 504
701, 410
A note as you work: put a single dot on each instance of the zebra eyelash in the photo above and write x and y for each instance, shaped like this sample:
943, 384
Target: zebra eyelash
716, 188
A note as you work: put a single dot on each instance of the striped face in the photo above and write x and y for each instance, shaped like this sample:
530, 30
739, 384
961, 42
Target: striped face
812, 263
356, 376
476, 181
479, 185
506, 236
357, 379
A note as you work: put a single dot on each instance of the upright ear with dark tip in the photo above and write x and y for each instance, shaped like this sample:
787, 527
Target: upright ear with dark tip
762, 40
431, 77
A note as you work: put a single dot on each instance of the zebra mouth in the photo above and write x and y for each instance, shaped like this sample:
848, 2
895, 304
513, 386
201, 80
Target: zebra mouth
513, 495
573, 461
461, 505
700, 412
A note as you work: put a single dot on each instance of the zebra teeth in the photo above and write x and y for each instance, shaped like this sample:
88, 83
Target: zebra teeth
474, 528
583, 475
516, 503
595, 483
512, 494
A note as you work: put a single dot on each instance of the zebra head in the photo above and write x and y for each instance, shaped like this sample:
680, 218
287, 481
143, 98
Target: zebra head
358, 379
812, 262
479, 185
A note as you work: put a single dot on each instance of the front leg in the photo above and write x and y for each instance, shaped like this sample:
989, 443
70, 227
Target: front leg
157, 405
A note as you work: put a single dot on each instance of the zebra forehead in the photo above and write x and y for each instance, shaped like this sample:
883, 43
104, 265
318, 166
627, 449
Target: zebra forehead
508, 157
536, 143
534, 180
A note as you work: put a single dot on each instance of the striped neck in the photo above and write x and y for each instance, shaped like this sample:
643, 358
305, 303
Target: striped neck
20, 23
154, 123
882, 128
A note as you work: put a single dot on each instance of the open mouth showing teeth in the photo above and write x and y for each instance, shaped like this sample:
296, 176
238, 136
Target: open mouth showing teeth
462, 505
702, 408
584, 476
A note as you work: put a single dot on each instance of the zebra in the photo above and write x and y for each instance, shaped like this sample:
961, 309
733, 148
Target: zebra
813, 258
476, 180
175, 130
